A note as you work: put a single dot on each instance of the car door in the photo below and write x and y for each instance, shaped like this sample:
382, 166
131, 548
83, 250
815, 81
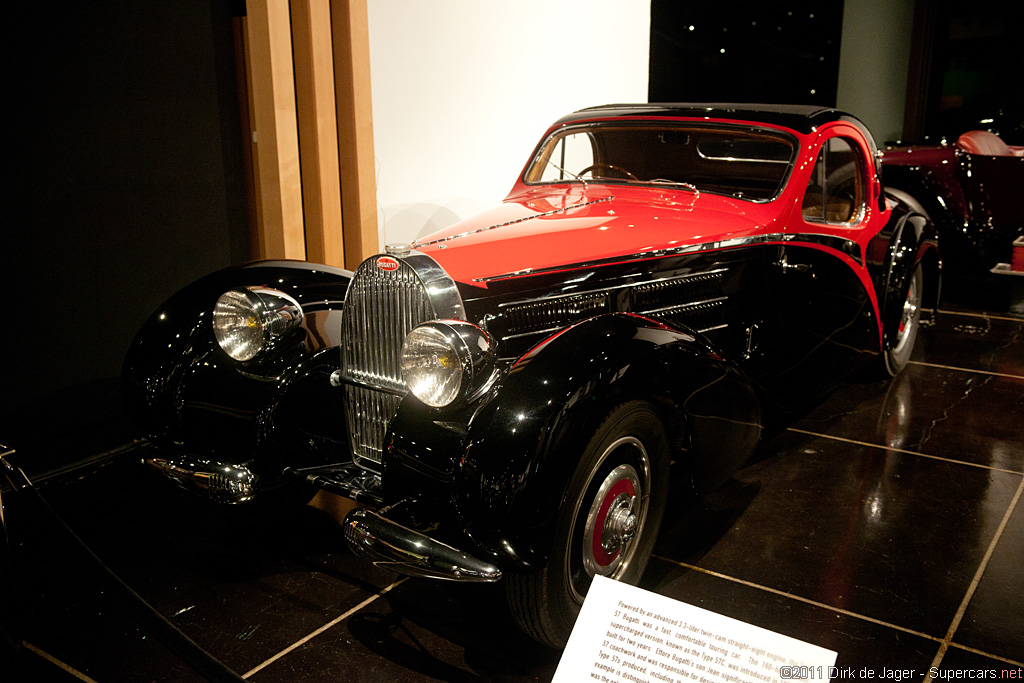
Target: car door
823, 319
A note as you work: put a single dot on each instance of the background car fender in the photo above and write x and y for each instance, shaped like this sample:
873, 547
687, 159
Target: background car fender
523, 443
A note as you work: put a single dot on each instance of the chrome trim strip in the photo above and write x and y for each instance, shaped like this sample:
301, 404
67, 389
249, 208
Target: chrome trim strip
752, 161
628, 285
518, 220
692, 248
848, 247
681, 307
546, 330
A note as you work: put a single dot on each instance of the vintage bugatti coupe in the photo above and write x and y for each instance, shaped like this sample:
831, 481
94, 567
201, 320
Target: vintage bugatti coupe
505, 397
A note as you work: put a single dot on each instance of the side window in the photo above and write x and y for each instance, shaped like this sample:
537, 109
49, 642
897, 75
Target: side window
835, 193
573, 153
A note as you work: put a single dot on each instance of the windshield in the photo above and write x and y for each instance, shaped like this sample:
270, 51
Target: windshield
740, 162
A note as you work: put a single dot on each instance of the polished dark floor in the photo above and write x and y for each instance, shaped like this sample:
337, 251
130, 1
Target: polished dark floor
886, 524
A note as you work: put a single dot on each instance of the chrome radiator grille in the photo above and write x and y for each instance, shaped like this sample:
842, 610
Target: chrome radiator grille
381, 308
368, 412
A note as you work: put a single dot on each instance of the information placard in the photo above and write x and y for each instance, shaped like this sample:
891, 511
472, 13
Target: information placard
626, 634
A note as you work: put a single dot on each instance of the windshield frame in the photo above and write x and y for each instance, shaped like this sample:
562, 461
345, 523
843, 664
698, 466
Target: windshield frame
536, 165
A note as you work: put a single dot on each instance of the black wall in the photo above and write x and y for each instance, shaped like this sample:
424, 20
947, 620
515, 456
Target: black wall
745, 51
126, 182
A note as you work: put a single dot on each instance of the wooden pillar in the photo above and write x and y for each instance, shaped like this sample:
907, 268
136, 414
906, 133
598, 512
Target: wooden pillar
318, 138
275, 131
355, 128
308, 65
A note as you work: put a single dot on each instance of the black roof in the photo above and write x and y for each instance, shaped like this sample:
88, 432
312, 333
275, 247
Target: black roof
802, 118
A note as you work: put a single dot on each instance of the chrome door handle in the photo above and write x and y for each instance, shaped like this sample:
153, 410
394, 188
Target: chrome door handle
788, 267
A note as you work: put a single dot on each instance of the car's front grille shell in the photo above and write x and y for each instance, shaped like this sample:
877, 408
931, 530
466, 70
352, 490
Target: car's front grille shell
381, 308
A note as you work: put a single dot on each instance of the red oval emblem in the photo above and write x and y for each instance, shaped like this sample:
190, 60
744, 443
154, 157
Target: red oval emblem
387, 263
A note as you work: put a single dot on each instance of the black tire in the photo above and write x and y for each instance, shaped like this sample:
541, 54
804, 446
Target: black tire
900, 346
618, 494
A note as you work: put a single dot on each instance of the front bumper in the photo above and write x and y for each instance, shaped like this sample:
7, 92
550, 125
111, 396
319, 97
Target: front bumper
383, 541
393, 546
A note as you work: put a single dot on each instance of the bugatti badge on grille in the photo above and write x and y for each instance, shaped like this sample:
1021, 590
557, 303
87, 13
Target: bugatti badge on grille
387, 263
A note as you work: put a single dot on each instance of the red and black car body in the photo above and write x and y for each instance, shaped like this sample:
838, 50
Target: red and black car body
506, 395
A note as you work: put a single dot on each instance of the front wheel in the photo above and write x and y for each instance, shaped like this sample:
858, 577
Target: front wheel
608, 523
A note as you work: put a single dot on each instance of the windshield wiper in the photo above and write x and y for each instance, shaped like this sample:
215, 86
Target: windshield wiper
569, 173
677, 183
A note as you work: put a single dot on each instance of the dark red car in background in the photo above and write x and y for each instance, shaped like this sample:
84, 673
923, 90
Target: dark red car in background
972, 191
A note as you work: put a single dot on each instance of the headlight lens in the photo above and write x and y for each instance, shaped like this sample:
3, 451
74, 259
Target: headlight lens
442, 360
249, 321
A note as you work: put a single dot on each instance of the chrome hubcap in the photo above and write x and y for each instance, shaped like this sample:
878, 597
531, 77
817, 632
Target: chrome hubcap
908, 317
620, 523
616, 513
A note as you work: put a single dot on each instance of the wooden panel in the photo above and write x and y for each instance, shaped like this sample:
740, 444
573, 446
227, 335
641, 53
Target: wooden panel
318, 139
242, 70
355, 129
275, 132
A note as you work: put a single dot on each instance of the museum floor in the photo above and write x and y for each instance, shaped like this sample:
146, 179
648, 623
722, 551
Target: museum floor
886, 524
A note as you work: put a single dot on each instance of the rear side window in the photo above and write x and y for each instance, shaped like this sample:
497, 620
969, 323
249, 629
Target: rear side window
835, 192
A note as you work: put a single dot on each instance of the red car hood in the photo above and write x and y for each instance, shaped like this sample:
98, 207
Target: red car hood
550, 227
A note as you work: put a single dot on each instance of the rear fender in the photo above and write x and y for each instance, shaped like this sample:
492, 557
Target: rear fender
912, 243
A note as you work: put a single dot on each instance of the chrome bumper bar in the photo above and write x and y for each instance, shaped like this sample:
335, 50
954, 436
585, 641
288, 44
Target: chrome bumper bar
393, 546
221, 482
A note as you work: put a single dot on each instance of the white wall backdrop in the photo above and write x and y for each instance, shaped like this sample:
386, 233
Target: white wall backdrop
874, 61
463, 90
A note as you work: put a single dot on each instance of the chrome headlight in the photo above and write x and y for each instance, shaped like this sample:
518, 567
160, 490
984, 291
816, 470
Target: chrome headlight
248, 321
445, 359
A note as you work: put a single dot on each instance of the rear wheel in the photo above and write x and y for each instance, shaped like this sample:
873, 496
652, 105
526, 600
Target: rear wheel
608, 523
897, 353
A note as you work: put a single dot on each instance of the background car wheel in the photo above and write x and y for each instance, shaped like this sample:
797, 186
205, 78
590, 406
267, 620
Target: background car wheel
608, 523
897, 355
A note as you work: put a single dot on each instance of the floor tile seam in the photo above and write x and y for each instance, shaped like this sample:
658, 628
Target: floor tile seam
800, 598
94, 459
904, 451
63, 666
86, 461
974, 650
958, 617
326, 627
986, 316
970, 370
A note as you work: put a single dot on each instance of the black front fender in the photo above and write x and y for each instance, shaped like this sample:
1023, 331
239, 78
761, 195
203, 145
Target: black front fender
184, 392
509, 468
